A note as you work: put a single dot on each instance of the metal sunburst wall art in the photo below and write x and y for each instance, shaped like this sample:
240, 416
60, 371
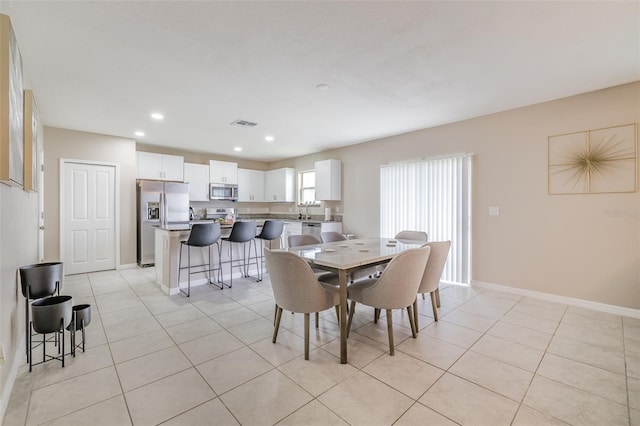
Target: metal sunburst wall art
593, 161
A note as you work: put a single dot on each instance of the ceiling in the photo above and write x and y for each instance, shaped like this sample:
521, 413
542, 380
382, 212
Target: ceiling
391, 66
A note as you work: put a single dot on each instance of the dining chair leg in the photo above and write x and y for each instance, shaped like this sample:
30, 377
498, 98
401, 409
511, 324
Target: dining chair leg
423, 296
351, 311
390, 331
306, 336
415, 314
411, 321
338, 313
434, 304
275, 315
437, 291
376, 315
275, 329
317, 320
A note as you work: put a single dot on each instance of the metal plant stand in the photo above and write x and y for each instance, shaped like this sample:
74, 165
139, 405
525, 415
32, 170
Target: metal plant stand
49, 315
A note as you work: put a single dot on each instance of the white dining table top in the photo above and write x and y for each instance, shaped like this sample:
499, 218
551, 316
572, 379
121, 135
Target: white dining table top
351, 254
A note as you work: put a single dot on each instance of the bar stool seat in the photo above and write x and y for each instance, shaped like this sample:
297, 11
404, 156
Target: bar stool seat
271, 231
201, 235
243, 233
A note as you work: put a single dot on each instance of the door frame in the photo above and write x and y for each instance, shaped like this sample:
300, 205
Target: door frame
116, 203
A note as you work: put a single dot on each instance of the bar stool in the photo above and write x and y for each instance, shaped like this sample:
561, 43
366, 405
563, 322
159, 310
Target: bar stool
49, 315
201, 235
37, 281
271, 230
243, 233
80, 319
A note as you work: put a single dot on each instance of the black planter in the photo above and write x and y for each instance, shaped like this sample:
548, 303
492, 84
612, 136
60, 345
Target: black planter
79, 321
43, 279
51, 313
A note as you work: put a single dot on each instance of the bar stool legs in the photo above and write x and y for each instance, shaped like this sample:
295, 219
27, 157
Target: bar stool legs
208, 270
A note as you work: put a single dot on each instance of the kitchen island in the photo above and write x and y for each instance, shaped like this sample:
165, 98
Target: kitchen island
167, 255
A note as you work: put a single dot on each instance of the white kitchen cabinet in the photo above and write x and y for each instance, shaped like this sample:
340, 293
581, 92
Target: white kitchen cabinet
160, 166
197, 175
280, 185
328, 180
223, 172
250, 185
291, 228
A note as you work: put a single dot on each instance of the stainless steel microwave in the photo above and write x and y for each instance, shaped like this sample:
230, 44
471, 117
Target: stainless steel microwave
223, 191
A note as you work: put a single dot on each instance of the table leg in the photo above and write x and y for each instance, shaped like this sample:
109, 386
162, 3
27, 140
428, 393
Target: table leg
343, 316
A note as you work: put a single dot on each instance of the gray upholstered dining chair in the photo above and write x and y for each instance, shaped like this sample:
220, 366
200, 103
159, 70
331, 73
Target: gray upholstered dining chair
412, 236
395, 289
308, 240
431, 276
303, 240
296, 289
330, 237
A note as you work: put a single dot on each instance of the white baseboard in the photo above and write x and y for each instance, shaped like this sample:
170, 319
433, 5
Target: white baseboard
596, 306
18, 359
127, 266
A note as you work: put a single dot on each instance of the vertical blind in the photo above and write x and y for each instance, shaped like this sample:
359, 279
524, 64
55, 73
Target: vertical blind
433, 196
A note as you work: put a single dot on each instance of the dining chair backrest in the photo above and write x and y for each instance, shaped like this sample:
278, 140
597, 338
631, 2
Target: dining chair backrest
203, 234
303, 240
271, 229
435, 266
243, 231
412, 235
295, 287
329, 237
398, 285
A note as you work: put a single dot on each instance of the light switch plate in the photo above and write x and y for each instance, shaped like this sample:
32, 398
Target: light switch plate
494, 211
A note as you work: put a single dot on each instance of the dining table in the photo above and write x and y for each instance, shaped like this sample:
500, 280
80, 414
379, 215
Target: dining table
345, 257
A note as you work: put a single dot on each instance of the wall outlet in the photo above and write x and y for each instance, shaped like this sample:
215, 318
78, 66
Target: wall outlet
494, 211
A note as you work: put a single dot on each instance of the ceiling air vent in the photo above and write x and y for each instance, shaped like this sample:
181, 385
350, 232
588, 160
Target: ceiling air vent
244, 123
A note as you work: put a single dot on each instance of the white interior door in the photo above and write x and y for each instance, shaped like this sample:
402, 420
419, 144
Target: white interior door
88, 208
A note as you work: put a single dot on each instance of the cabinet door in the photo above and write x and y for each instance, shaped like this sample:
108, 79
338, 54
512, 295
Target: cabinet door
149, 165
223, 172
280, 185
173, 168
250, 185
197, 175
231, 172
328, 180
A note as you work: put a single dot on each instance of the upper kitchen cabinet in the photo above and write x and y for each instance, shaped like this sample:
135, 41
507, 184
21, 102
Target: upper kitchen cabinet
197, 175
328, 180
280, 185
160, 166
223, 172
250, 185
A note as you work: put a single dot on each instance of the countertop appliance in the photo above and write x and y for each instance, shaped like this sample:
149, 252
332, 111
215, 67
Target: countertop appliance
223, 192
313, 228
158, 203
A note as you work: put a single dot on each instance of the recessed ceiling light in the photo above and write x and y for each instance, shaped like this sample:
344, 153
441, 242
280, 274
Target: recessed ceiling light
157, 116
269, 138
139, 133
237, 149
322, 87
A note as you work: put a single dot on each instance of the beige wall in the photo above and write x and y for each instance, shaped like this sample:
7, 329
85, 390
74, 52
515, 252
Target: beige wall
562, 244
71, 144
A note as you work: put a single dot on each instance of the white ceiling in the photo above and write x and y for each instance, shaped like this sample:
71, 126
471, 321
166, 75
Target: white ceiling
391, 66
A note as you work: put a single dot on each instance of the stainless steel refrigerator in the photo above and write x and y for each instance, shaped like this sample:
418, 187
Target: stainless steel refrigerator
159, 203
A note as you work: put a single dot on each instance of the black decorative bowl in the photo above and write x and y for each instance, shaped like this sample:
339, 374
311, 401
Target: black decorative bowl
50, 313
41, 279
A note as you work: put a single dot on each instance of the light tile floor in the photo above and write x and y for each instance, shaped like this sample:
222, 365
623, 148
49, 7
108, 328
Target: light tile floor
492, 359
